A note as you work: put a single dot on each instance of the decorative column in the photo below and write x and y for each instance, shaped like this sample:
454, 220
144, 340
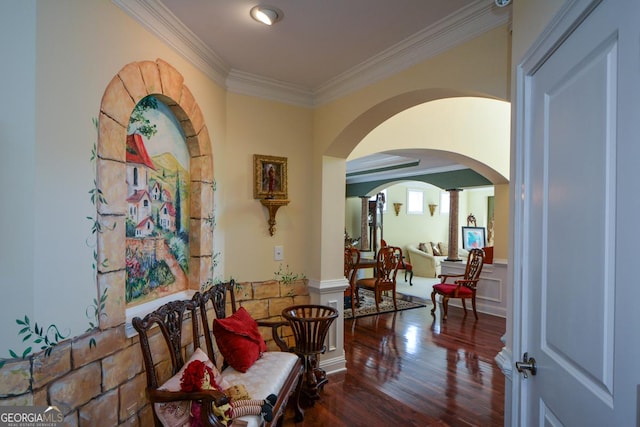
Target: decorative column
364, 223
454, 195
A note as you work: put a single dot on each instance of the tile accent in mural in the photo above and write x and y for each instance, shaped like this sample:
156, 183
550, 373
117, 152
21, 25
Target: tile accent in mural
157, 244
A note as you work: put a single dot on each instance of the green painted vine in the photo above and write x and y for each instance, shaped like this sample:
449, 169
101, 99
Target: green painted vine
96, 310
215, 258
45, 339
286, 276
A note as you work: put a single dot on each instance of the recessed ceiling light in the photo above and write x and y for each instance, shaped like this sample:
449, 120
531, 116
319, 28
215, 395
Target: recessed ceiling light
268, 15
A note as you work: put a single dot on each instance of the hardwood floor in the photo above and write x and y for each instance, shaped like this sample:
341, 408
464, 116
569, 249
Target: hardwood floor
408, 369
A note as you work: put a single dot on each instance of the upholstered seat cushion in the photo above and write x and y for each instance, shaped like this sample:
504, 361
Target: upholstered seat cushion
266, 376
450, 289
367, 282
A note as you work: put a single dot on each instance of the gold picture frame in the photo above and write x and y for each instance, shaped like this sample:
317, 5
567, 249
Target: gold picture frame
270, 177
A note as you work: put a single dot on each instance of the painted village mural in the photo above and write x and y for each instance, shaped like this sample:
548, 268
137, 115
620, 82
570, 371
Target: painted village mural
157, 224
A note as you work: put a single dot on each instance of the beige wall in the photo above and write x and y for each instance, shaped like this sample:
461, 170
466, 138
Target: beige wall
256, 126
502, 220
477, 68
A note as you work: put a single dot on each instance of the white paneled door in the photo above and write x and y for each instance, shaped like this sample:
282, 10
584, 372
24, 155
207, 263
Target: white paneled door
578, 219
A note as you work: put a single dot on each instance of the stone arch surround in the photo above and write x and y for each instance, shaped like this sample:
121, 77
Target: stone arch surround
132, 83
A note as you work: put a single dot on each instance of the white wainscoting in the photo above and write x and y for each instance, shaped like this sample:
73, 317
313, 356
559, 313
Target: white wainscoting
491, 297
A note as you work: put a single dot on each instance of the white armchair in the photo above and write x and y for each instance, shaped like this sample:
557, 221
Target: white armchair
427, 264
424, 264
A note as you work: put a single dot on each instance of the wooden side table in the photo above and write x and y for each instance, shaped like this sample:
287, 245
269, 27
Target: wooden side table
310, 325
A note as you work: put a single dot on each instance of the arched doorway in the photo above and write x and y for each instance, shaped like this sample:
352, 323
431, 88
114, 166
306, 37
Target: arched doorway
376, 130
351, 139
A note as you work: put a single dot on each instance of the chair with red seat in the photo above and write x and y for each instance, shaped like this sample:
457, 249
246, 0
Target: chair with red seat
463, 287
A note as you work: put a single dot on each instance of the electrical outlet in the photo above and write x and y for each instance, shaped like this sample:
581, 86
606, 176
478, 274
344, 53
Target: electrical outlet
278, 253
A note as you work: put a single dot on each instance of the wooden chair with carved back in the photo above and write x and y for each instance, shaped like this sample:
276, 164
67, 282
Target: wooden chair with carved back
351, 261
165, 349
464, 286
388, 260
404, 265
168, 322
214, 303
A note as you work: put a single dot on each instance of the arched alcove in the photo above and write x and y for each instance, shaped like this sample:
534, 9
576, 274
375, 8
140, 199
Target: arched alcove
134, 82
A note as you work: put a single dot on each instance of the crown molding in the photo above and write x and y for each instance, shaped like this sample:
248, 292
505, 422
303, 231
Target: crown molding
153, 15
262, 87
464, 25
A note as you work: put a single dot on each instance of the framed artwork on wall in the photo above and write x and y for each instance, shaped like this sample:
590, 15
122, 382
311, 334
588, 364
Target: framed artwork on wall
270, 177
473, 237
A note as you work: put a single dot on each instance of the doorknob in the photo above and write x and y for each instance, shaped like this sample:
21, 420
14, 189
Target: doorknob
527, 364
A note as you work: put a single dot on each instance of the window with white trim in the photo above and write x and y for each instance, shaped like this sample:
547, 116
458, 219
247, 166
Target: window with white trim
444, 203
415, 202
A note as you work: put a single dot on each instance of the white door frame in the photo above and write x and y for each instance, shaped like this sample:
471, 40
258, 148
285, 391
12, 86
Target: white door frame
570, 15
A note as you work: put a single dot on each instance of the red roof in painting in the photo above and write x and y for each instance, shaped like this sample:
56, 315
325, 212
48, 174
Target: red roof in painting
137, 196
136, 151
170, 209
144, 222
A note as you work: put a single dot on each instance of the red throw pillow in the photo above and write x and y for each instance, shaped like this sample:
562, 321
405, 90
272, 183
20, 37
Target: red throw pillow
239, 339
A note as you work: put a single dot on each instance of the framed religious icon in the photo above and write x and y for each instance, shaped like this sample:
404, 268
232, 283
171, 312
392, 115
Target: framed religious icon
270, 177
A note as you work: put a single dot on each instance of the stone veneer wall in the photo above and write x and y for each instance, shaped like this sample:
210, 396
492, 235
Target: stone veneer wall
105, 385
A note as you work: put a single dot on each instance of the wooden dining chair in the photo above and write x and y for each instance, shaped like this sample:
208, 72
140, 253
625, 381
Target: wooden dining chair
464, 286
404, 265
351, 261
387, 262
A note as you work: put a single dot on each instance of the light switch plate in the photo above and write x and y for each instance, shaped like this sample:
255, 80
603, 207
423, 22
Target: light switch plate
278, 253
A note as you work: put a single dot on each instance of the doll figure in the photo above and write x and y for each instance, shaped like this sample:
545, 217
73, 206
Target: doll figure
199, 376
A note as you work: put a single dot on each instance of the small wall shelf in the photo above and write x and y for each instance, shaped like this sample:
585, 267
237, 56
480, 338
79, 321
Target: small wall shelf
272, 206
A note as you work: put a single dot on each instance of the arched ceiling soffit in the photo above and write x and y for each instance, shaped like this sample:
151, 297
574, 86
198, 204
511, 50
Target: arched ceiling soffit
472, 131
475, 174
357, 129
